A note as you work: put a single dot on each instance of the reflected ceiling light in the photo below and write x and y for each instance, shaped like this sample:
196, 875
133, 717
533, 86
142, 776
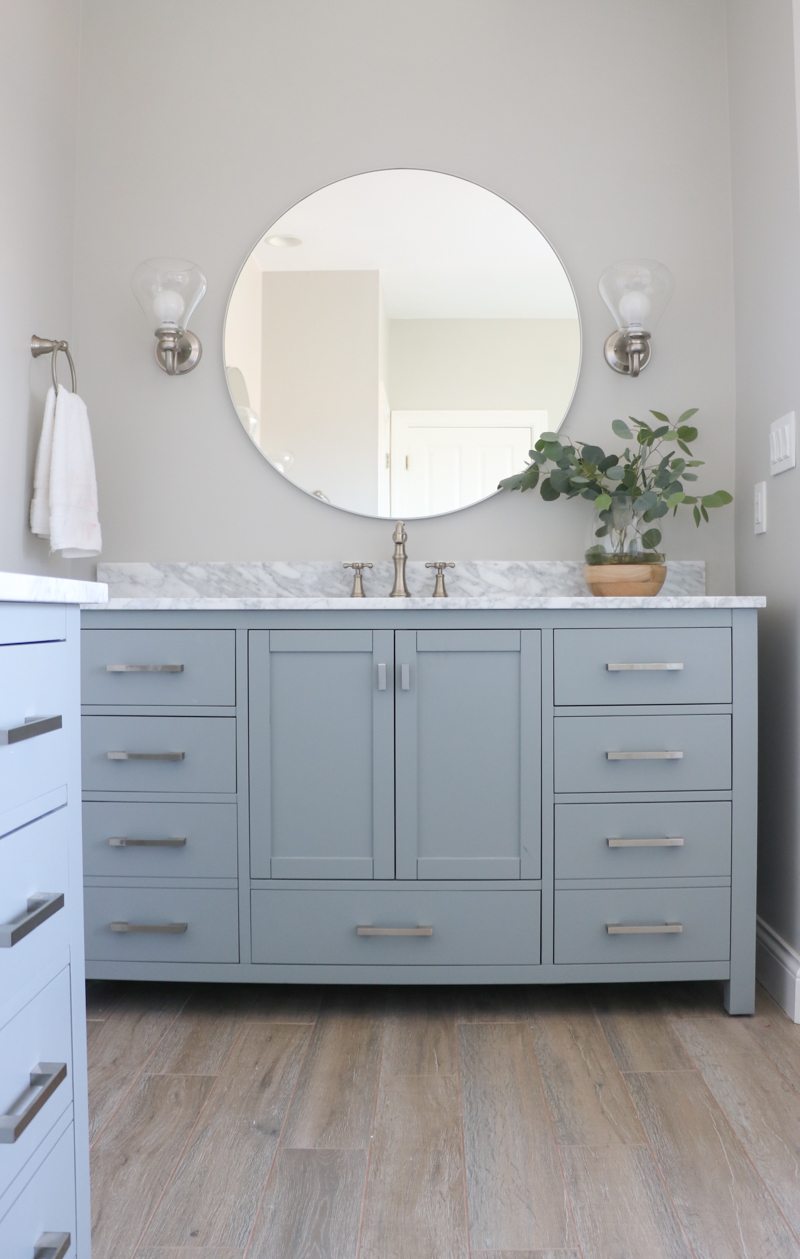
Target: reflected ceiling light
283, 242
169, 291
636, 293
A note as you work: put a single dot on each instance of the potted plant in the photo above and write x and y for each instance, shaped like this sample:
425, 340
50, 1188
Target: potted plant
630, 492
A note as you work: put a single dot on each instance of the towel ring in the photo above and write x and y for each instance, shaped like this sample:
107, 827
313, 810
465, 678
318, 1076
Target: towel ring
43, 345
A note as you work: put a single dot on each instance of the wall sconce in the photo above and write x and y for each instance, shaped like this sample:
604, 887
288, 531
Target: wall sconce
169, 291
636, 293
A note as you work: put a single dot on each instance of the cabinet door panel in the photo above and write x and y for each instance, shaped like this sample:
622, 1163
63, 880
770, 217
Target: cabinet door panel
468, 754
321, 754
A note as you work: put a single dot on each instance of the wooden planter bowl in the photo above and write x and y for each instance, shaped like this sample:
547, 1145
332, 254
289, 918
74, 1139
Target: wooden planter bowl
624, 579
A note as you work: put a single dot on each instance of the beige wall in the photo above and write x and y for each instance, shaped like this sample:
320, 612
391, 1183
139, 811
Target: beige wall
39, 52
519, 101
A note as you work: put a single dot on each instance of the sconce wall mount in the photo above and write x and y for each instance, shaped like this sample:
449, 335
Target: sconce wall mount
169, 291
636, 293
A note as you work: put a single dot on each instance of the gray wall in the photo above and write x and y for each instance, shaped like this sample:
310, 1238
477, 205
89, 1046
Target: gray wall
766, 206
518, 95
38, 106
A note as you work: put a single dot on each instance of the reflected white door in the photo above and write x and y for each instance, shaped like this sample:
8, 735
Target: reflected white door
443, 459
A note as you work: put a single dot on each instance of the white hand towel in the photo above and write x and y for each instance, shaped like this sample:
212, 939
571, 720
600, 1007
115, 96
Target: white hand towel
40, 503
72, 525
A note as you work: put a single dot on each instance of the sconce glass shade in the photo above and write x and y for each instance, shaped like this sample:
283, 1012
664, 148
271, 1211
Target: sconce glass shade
636, 293
169, 291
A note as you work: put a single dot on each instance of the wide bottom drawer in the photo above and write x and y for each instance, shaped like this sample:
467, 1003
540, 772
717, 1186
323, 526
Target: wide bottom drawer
369, 926
684, 924
42, 1218
157, 924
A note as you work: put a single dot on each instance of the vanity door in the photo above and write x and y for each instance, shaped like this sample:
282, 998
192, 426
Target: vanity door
321, 754
468, 732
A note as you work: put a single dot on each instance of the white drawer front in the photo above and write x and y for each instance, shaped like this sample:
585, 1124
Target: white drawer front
34, 686
44, 1213
34, 900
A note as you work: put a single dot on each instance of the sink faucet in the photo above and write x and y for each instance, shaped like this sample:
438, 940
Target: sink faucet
400, 537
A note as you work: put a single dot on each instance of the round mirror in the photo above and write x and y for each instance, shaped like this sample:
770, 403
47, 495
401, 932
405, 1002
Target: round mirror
396, 342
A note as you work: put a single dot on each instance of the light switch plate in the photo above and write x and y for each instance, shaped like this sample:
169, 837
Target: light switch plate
760, 507
782, 444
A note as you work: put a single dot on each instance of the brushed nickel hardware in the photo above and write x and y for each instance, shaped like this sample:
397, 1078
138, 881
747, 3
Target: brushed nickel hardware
644, 929
144, 668
394, 931
440, 589
149, 928
408, 463
381, 676
52, 1246
358, 585
644, 756
31, 728
636, 293
44, 345
39, 909
127, 841
44, 1080
655, 666
671, 841
146, 756
405, 677
400, 589
168, 290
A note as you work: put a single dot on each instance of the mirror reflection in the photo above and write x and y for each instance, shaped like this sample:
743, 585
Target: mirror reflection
395, 343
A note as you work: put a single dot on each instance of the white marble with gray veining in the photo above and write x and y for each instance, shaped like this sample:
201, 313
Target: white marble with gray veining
33, 588
325, 585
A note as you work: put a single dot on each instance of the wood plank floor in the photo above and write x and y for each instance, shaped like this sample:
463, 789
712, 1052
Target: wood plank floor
251, 1122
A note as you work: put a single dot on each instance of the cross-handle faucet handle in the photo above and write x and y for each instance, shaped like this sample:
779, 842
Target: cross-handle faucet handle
358, 585
440, 589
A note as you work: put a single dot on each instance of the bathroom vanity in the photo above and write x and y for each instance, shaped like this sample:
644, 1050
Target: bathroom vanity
503, 789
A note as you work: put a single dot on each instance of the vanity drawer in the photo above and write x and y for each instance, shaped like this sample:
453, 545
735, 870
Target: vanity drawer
159, 839
487, 927
45, 1205
642, 666
629, 841
34, 683
654, 753
33, 623
35, 1073
158, 666
583, 918
156, 924
159, 754
34, 900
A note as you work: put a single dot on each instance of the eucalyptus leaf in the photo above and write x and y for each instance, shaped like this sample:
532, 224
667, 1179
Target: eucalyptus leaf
651, 539
548, 491
621, 428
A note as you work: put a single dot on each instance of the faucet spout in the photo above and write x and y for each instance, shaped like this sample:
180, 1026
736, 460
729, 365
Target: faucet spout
400, 589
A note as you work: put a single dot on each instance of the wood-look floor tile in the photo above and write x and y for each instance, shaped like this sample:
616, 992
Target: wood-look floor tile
192, 1252
514, 1185
640, 1033
196, 1043
256, 1003
213, 1197
589, 1102
335, 1098
500, 1003
620, 1206
762, 1106
419, 1035
525, 1254
312, 1206
414, 1206
722, 1203
134, 1158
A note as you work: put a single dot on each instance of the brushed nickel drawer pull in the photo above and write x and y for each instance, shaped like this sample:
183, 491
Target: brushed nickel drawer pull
45, 1079
405, 677
144, 668
150, 928
31, 728
644, 929
644, 756
381, 677
394, 931
39, 909
146, 756
665, 841
128, 841
655, 666
52, 1246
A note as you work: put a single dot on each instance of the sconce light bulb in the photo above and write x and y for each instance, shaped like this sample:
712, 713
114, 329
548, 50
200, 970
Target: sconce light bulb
168, 308
634, 310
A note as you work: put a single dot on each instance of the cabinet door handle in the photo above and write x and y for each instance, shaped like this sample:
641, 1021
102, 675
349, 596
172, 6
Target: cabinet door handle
654, 666
52, 1246
129, 841
31, 728
644, 756
146, 756
381, 677
662, 841
45, 1079
405, 677
144, 668
394, 931
39, 909
149, 928
644, 929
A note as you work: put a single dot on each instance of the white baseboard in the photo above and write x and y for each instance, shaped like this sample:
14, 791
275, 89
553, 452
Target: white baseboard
778, 969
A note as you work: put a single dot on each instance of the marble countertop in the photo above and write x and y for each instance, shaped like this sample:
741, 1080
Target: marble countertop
487, 602
32, 588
